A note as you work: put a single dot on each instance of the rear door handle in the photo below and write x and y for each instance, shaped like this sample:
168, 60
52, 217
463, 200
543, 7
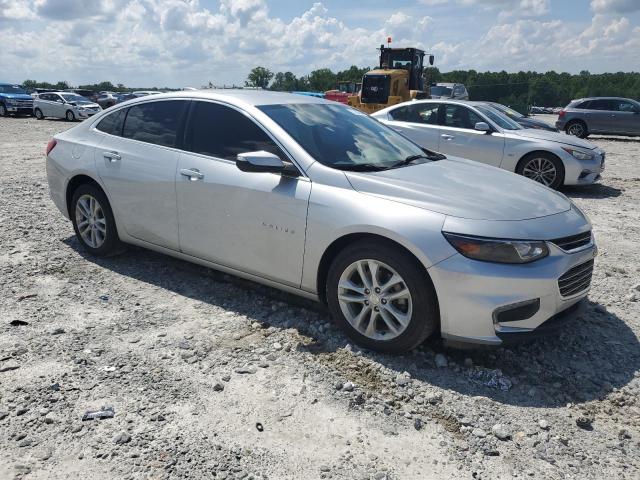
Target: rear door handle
447, 137
112, 156
193, 174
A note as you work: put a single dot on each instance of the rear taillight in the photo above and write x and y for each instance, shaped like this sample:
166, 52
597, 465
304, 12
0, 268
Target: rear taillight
561, 113
52, 143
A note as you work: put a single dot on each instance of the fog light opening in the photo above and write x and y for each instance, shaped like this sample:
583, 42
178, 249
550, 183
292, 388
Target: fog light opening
516, 311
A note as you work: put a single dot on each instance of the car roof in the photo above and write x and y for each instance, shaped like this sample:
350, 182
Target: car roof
470, 103
601, 98
243, 97
445, 84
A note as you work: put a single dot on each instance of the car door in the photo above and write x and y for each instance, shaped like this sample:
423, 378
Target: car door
600, 115
137, 164
627, 117
58, 106
46, 103
419, 122
459, 137
252, 222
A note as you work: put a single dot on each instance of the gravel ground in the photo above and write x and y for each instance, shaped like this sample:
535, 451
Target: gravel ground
215, 377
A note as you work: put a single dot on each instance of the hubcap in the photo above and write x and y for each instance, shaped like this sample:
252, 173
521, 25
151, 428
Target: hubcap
375, 299
541, 170
91, 221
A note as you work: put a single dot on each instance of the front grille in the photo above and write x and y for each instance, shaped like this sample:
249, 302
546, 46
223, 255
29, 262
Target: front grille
576, 280
574, 241
24, 103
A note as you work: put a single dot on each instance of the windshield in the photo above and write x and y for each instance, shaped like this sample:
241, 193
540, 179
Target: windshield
441, 91
498, 117
506, 110
72, 97
343, 137
15, 89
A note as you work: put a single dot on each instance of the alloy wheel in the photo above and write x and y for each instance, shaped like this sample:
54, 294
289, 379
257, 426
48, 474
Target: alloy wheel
375, 299
576, 129
541, 170
91, 221
70, 116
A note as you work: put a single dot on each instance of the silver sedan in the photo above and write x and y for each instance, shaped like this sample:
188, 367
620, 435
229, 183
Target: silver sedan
478, 131
320, 200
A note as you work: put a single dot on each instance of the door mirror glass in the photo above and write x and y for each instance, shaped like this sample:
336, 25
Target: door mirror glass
482, 127
262, 161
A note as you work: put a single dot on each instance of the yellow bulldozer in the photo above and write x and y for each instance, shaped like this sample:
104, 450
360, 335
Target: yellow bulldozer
397, 79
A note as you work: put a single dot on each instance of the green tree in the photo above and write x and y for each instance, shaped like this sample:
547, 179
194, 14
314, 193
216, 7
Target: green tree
259, 77
322, 80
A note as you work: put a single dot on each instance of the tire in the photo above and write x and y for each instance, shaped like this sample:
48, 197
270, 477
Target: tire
106, 241
3, 110
38, 113
534, 166
419, 310
70, 116
577, 128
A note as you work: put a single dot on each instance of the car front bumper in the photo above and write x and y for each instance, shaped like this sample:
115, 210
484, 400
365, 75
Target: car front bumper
19, 110
472, 295
582, 172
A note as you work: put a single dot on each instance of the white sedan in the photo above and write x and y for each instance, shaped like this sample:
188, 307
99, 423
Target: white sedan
477, 131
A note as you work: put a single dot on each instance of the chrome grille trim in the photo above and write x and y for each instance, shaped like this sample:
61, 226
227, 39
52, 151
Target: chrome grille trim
573, 242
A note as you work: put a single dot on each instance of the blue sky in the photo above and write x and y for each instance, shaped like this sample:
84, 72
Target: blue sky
191, 42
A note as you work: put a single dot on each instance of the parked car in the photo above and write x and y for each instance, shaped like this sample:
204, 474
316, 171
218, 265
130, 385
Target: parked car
400, 242
107, 99
537, 110
123, 97
449, 90
522, 120
604, 115
475, 131
70, 106
14, 100
88, 94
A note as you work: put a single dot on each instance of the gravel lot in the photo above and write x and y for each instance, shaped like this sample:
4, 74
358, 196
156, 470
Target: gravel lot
215, 377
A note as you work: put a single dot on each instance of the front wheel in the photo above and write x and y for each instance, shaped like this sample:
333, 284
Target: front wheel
93, 221
381, 297
542, 167
3, 110
70, 116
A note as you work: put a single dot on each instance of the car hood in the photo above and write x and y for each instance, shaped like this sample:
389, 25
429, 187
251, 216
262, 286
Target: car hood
462, 188
87, 105
16, 96
533, 121
557, 137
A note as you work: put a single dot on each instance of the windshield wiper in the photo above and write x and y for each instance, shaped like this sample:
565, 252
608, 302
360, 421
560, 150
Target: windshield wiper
433, 156
360, 167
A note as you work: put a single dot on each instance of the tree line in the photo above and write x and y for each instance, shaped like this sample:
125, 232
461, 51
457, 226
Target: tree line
105, 86
517, 89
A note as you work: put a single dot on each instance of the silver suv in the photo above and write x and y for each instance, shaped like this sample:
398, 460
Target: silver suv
606, 115
449, 90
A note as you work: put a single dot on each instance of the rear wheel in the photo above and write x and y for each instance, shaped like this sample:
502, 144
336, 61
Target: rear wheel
381, 298
38, 114
93, 221
542, 167
577, 129
70, 116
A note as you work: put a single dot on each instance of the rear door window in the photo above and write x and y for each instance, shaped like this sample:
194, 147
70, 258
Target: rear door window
601, 104
112, 123
426, 113
223, 132
155, 122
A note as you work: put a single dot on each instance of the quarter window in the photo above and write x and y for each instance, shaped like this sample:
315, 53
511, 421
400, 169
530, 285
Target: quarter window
222, 132
112, 123
459, 116
154, 122
417, 113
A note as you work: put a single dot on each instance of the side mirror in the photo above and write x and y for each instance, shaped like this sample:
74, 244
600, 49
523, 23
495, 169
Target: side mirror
482, 127
265, 162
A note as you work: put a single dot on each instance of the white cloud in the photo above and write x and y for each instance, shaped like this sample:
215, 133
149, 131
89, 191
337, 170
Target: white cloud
615, 6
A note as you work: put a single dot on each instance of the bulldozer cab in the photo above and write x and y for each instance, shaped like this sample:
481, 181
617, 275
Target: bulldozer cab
409, 59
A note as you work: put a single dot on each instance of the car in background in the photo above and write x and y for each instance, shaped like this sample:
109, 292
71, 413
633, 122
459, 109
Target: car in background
449, 90
88, 94
107, 99
14, 100
69, 106
144, 93
400, 242
476, 131
526, 122
123, 97
603, 115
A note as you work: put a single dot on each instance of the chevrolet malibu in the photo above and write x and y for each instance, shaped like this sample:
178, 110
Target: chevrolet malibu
318, 199
478, 131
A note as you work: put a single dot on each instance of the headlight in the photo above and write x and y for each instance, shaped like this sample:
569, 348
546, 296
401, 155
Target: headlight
497, 250
10, 101
578, 154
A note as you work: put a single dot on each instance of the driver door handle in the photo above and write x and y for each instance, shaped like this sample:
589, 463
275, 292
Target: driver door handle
447, 136
193, 174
